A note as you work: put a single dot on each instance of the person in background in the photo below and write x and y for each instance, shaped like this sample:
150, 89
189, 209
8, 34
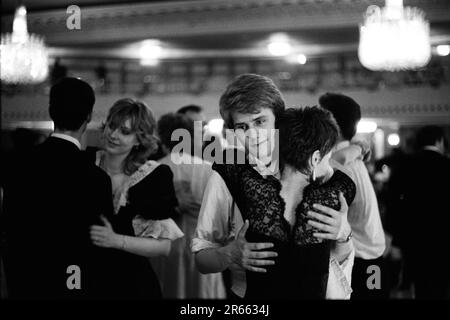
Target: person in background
193, 112
363, 213
387, 186
214, 140
144, 199
424, 216
178, 274
53, 194
21, 143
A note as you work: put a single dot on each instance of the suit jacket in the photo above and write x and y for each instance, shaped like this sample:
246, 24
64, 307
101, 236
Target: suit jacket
425, 217
51, 198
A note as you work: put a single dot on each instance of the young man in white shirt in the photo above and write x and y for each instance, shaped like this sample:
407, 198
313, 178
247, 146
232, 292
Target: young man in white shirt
250, 105
363, 213
177, 273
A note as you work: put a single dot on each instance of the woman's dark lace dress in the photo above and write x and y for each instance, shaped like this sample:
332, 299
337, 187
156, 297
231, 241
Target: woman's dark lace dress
301, 267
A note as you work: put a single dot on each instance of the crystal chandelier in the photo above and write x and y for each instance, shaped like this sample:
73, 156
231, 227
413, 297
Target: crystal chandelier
24, 57
394, 38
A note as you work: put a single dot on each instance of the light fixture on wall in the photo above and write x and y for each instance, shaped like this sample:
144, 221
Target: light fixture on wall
150, 52
301, 58
443, 50
394, 38
393, 139
366, 126
215, 126
279, 45
24, 57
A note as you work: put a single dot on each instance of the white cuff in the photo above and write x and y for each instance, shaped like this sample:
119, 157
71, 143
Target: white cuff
340, 278
158, 229
199, 244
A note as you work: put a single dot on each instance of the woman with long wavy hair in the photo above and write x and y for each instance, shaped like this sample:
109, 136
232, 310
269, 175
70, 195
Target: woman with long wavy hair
143, 196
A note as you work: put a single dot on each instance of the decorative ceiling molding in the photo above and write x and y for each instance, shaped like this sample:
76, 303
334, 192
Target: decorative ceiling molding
132, 52
125, 22
406, 114
410, 113
426, 105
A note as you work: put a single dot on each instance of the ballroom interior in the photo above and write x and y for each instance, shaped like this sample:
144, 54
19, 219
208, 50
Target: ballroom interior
174, 53
197, 47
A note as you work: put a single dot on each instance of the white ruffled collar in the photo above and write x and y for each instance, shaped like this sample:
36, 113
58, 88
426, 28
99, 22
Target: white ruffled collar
121, 198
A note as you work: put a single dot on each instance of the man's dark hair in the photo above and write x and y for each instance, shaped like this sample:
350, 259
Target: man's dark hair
168, 123
249, 93
190, 108
302, 132
345, 110
429, 135
71, 103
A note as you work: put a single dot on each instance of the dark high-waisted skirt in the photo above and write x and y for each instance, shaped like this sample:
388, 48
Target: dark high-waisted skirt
299, 272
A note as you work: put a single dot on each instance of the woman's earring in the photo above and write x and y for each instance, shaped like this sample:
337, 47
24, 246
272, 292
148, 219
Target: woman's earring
314, 174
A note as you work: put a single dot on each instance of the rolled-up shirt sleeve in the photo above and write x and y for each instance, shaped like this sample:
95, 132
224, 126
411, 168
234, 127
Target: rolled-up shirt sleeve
214, 227
340, 278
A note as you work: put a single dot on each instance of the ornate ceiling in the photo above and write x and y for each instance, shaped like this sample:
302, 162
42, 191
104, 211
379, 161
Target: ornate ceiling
226, 29
215, 28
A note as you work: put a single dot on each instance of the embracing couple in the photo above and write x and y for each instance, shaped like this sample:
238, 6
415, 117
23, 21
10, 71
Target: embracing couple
281, 231
81, 224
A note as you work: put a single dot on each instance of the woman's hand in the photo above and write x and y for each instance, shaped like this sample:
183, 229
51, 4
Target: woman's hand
334, 224
104, 236
247, 254
366, 152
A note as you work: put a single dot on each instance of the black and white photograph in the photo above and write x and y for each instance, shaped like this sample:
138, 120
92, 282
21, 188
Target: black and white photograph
221, 158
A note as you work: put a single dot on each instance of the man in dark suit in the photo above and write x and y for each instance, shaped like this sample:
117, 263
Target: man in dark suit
52, 196
425, 216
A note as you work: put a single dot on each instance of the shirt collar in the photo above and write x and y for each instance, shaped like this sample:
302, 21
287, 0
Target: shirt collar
67, 138
432, 148
342, 145
271, 170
